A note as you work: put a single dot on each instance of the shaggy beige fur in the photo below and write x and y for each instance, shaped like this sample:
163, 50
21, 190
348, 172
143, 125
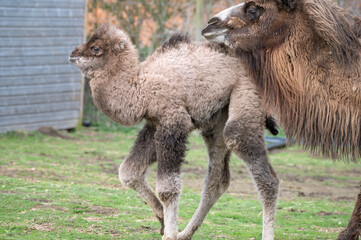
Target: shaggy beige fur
181, 87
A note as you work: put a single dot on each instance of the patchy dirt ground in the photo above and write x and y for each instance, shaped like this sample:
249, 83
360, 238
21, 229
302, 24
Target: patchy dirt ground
333, 184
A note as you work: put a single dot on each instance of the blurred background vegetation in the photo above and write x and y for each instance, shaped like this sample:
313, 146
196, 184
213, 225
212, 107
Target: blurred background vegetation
150, 22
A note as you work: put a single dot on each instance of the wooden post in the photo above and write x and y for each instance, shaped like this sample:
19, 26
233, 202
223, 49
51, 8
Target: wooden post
198, 19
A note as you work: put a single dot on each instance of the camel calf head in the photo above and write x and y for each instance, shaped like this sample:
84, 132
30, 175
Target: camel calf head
97, 54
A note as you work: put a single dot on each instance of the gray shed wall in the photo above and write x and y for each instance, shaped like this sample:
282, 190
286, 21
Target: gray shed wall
38, 85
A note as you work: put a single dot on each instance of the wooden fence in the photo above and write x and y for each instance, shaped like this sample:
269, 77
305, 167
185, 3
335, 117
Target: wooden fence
38, 85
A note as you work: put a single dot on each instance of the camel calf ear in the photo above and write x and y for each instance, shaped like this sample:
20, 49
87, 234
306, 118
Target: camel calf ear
287, 4
120, 46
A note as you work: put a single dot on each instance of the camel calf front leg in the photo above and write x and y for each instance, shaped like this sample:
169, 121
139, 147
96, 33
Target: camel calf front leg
170, 148
133, 169
216, 181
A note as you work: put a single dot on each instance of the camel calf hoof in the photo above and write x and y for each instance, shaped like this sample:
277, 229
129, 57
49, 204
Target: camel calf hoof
162, 228
183, 237
169, 237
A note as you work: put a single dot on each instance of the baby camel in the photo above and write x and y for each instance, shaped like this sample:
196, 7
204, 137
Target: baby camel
183, 86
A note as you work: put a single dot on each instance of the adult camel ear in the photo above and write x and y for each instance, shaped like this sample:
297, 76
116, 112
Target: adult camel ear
287, 4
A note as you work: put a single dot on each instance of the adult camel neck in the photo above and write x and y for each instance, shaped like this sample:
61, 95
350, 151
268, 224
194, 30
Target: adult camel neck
316, 97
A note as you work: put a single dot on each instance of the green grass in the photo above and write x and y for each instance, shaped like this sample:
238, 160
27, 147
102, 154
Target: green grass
52, 188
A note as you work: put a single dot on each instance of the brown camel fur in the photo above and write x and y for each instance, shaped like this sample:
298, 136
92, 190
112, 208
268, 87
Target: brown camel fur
304, 56
356, 28
181, 87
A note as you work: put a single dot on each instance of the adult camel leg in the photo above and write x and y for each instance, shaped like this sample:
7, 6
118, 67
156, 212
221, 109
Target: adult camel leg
170, 141
133, 170
353, 229
217, 178
244, 134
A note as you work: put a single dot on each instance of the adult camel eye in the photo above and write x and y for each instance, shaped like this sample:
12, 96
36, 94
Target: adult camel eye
95, 49
253, 12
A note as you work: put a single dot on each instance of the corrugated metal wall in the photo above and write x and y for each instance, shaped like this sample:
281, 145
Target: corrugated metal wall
38, 86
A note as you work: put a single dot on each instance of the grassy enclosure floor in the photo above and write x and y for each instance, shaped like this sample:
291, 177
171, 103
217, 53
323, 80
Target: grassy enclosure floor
68, 188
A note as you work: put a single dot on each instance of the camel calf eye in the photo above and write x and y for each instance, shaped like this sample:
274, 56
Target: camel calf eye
95, 49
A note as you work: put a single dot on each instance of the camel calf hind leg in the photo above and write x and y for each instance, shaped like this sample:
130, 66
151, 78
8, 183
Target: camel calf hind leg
244, 134
132, 170
249, 145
